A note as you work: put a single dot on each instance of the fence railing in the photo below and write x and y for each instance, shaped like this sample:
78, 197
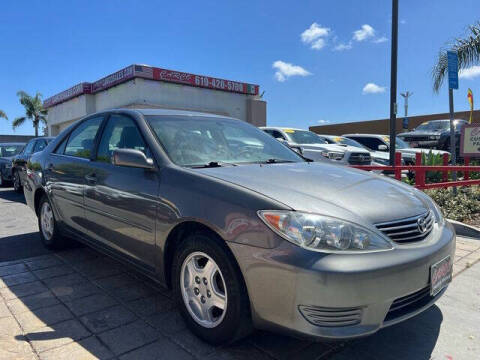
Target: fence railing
421, 172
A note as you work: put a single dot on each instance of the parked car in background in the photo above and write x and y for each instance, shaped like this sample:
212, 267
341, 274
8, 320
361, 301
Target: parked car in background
433, 134
382, 143
7, 152
247, 236
378, 157
20, 160
318, 148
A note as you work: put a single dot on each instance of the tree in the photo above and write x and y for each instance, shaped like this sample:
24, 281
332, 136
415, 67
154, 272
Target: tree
468, 50
3, 115
34, 110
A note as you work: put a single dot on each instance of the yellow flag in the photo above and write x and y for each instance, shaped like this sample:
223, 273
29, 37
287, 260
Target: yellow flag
470, 100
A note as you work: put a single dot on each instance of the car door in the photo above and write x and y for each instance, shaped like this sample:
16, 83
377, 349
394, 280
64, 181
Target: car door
65, 172
121, 202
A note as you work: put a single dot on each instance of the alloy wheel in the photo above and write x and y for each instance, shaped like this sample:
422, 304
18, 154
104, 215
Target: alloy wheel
47, 221
203, 289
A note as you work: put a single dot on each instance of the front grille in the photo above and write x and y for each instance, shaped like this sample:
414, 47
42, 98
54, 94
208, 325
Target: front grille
408, 230
409, 303
359, 159
415, 138
331, 317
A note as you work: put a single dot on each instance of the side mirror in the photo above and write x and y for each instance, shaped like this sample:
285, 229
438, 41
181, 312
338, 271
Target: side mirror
131, 158
382, 147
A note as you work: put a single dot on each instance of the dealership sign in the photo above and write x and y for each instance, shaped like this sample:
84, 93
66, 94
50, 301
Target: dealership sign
470, 140
153, 73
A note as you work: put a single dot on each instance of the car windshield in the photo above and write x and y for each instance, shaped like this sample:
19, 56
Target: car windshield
202, 141
433, 126
346, 141
7, 150
304, 137
399, 143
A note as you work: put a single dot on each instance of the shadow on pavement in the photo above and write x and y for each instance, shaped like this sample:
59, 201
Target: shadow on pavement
21, 246
8, 194
412, 339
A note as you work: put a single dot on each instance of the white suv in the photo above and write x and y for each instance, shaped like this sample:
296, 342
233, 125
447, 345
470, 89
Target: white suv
318, 148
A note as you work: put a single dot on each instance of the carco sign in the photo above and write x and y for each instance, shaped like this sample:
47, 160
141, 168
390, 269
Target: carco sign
152, 73
470, 140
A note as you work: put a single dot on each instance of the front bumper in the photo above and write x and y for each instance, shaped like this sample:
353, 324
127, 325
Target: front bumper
283, 280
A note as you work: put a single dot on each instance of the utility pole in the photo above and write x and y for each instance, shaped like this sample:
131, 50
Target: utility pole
452, 65
405, 96
393, 82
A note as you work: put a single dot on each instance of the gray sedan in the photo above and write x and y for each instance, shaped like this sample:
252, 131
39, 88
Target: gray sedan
247, 233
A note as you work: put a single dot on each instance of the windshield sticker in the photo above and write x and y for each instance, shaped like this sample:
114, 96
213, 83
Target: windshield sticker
290, 131
386, 138
337, 139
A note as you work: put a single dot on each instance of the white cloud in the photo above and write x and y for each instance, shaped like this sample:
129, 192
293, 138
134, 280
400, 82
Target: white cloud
372, 88
322, 121
343, 46
364, 33
285, 70
403, 21
381, 39
315, 36
469, 73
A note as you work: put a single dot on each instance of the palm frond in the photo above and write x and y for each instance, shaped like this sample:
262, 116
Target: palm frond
468, 51
3, 115
18, 121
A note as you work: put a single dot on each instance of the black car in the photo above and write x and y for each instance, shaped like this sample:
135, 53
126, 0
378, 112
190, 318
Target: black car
7, 152
20, 160
433, 134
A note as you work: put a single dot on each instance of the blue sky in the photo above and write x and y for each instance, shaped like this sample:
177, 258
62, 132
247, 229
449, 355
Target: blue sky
48, 46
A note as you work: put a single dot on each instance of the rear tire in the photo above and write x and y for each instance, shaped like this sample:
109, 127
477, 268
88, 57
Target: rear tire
197, 296
17, 186
47, 225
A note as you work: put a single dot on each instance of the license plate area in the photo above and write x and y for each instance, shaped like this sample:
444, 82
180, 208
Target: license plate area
440, 275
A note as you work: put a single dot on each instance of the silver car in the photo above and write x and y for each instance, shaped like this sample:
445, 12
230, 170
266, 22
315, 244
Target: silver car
246, 232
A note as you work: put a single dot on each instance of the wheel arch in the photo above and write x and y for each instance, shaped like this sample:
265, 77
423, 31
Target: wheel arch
36, 199
178, 234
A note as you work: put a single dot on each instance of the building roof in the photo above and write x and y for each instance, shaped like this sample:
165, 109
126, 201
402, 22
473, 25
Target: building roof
151, 73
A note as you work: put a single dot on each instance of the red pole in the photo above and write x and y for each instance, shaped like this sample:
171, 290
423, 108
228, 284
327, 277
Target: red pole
398, 162
466, 176
419, 174
445, 163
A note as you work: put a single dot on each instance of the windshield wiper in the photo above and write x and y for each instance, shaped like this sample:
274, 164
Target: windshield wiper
212, 164
274, 161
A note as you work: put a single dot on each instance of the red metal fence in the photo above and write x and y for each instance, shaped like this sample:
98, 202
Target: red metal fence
421, 170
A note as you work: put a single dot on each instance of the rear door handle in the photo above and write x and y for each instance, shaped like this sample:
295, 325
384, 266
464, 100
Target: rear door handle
91, 179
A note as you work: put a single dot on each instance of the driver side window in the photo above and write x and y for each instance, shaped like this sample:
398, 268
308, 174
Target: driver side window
120, 133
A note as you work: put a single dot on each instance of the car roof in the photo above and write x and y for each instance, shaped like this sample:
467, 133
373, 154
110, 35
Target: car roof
280, 128
167, 112
364, 135
12, 143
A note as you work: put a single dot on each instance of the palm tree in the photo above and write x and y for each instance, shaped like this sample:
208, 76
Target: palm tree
33, 110
468, 50
3, 115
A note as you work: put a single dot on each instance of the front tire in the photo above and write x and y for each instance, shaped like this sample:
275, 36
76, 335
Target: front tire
47, 225
17, 186
210, 291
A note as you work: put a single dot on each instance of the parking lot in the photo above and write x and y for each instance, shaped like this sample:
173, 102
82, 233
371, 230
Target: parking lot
79, 304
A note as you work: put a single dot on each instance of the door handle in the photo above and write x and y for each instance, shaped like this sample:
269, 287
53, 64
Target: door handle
91, 179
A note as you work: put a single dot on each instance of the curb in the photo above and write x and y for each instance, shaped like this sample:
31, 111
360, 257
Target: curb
465, 230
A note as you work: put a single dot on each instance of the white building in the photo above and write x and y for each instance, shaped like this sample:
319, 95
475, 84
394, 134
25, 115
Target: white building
150, 87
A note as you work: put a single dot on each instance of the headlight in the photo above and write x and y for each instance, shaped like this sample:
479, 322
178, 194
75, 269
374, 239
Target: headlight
332, 155
323, 233
434, 137
437, 212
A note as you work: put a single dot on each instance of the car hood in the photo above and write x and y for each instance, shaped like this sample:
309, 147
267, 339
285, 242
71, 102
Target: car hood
421, 150
328, 189
6, 159
329, 147
421, 133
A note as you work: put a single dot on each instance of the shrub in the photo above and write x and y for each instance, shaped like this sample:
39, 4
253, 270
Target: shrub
458, 207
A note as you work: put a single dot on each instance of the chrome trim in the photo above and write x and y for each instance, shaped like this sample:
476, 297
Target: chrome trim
412, 231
